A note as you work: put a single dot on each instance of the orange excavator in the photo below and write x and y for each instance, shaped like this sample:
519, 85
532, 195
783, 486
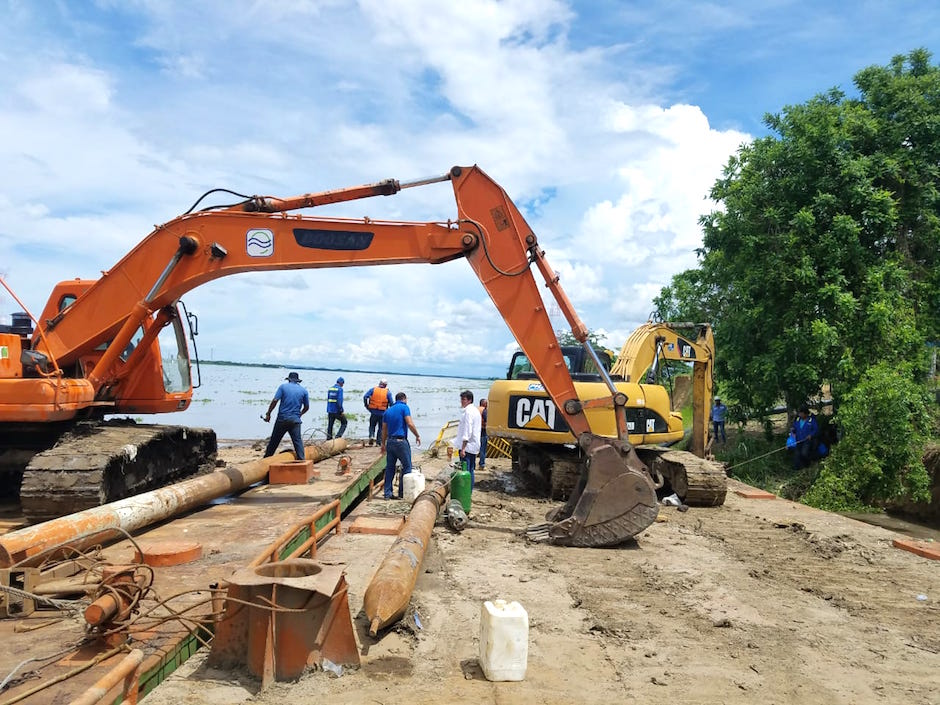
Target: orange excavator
117, 345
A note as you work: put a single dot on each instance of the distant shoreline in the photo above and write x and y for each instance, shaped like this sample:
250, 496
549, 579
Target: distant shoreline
282, 366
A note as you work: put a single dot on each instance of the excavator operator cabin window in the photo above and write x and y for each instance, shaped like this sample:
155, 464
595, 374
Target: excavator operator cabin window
134, 342
66, 301
591, 368
520, 367
174, 356
569, 363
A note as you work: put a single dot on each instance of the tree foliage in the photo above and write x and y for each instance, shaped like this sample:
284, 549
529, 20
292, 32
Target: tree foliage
566, 337
822, 262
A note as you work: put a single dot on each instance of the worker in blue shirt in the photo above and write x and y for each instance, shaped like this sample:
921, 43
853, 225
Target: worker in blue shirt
396, 424
719, 416
294, 402
334, 409
805, 436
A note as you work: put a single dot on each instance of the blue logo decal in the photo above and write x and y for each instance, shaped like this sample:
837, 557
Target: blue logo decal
259, 242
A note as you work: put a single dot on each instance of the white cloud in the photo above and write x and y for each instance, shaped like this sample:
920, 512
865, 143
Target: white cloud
127, 112
68, 90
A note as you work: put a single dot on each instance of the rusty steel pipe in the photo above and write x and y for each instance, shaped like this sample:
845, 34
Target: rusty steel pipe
102, 609
117, 593
126, 668
389, 593
92, 525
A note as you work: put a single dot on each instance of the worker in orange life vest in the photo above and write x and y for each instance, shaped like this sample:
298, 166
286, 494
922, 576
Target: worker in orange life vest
377, 400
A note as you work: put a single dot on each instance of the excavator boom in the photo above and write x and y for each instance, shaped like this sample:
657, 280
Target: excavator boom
94, 332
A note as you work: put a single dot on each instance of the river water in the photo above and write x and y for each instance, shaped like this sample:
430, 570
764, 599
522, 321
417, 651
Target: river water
233, 398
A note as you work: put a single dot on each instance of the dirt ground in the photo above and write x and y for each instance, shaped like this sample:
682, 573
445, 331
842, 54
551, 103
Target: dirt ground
756, 601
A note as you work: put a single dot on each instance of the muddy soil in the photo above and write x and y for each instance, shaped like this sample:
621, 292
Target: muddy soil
756, 601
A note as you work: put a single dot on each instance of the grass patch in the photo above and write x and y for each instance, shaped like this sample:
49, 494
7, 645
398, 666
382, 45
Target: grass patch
756, 460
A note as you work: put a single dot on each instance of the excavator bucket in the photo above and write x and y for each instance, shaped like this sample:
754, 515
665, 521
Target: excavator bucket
614, 501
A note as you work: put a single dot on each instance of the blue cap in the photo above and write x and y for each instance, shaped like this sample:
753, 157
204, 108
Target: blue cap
340, 380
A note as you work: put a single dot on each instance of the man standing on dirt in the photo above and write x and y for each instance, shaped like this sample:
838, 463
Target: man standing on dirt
294, 403
377, 400
334, 409
719, 414
396, 424
468, 432
483, 438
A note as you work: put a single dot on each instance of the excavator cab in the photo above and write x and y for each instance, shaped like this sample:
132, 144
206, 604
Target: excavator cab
581, 366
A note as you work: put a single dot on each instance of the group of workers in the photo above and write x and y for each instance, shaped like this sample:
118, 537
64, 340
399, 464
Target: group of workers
389, 424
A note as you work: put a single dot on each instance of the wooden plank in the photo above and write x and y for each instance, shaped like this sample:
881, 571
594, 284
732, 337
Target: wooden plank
754, 493
925, 549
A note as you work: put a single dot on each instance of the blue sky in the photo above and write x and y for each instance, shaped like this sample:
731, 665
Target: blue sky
605, 121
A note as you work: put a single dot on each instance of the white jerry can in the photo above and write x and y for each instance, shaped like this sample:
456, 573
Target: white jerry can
504, 640
412, 485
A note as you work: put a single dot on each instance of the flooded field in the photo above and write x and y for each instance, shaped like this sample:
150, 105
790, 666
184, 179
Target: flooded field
233, 398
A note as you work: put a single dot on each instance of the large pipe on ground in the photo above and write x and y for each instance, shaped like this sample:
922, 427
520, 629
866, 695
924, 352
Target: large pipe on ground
105, 522
389, 593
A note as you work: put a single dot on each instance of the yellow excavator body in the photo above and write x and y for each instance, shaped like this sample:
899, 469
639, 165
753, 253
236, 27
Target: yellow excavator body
521, 412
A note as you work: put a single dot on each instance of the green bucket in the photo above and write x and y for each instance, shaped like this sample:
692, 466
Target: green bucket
460, 487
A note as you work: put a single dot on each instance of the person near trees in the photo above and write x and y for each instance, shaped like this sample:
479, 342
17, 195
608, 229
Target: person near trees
294, 402
718, 417
334, 409
468, 432
395, 426
377, 400
805, 435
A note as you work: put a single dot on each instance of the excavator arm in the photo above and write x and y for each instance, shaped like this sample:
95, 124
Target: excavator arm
194, 249
659, 340
617, 497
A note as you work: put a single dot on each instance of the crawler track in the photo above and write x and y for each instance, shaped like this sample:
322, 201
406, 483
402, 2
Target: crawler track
96, 463
697, 482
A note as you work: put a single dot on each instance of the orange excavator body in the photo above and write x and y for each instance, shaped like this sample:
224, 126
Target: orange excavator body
96, 348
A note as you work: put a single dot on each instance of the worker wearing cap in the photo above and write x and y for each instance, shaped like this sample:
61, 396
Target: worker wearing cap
719, 416
334, 409
294, 402
377, 400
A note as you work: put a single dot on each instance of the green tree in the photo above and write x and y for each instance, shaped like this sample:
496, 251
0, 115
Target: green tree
885, 421
822, 261
566, 337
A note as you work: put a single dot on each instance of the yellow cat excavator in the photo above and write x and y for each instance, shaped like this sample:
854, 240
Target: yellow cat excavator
521, 412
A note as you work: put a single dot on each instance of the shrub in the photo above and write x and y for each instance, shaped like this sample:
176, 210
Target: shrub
885, 423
